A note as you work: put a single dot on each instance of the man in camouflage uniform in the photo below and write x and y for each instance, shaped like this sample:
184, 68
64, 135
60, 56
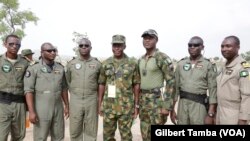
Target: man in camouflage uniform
233, 85
45, 87
155, 68
28, 55
12, 100
194, 76
82, 76
119, 79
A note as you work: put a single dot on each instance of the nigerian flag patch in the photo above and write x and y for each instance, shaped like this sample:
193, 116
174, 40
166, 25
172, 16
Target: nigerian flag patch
244, 73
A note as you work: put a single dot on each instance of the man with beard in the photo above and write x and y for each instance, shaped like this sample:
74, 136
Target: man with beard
12, 100
45, 88
194, 76
118, 92
155, 68
82, 77
233, 85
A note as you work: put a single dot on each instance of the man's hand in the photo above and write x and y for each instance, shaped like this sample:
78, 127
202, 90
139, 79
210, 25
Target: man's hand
135, 113
164, 112
173, 117
100, 110
242, 122
209, 120
33, 117
66, 111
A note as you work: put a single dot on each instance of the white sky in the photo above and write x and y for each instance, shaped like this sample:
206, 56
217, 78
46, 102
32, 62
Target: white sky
176, 21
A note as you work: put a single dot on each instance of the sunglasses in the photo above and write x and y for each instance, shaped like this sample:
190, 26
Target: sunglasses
83, 45
12, 44
194, 45
50, 50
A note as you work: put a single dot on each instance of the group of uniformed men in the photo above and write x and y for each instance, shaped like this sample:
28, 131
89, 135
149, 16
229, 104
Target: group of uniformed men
119, 89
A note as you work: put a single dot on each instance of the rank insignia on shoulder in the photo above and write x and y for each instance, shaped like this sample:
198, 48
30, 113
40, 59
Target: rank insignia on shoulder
244, 73
246, 65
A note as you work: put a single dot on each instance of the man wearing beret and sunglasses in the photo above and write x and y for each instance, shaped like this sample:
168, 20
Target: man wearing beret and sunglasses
195, 75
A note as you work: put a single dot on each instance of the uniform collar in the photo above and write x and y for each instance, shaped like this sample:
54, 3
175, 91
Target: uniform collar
89, 59
156, 51
18, 57
199, 60
235, 62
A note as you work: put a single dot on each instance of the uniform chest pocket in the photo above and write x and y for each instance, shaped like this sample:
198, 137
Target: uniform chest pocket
127, 71
109, 71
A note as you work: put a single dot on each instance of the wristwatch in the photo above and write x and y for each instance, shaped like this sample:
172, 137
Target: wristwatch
137, 106
211, 115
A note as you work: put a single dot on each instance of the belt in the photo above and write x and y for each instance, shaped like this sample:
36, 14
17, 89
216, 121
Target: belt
200, 98
154, 90
9, 97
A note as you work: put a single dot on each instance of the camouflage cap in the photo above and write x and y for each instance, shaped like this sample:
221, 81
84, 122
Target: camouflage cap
119, 39
150, 32
26, 52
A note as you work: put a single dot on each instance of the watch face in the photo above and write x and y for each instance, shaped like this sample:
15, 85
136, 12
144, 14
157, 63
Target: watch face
210, 114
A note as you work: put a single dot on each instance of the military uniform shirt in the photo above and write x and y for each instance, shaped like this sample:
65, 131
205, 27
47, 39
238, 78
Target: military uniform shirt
37, 74
234, 91
124, 74
197, 79
11, 76
89, 69
158, 68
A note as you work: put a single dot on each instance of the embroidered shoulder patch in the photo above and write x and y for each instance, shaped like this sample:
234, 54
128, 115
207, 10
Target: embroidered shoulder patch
244, 73
246, 65
27, 74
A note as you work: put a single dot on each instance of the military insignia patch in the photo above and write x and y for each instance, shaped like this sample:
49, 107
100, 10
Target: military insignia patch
187, 67
78, 66
27, 74
199, 66
92, 66
244, 73
18, 68
229, 72
6, 68
44, 69
56, 71
246, 65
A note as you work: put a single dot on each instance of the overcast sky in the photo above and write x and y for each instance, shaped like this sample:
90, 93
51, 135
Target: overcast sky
176, 21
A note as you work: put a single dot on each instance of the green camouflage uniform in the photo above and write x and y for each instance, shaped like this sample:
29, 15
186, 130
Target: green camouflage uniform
153, 72
12, 114
196, 80
123, 74
82, 77
47, 85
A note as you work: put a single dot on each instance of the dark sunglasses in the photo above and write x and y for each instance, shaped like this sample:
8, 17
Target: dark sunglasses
83, 45
194, 45
50, 50
12, 44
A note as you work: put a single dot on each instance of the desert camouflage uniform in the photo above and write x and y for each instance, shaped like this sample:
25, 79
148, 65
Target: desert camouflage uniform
159, 68
233, 92
124, 74
12, 115
199, 79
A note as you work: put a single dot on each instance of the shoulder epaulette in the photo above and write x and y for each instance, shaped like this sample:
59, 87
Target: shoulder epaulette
97, 59
245, 64
73, 58
182, 59
33, 63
